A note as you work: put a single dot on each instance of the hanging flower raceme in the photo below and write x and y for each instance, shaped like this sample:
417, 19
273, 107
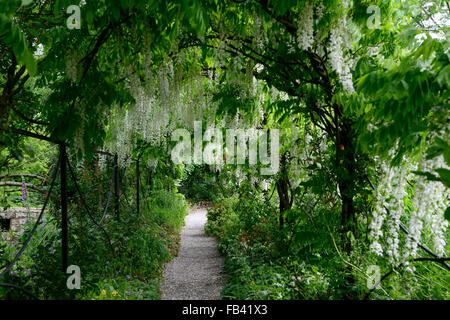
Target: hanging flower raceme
305, 29
260, 37
405, 198
340, 64
162, 102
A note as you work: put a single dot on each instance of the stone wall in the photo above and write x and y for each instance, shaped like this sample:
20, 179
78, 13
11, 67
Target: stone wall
19, 216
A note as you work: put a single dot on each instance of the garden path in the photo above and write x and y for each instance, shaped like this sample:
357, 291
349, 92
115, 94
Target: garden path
196, 273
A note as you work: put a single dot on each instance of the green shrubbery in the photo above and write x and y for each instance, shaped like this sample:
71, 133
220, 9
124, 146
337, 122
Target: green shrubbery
168, 208
256, 263
199, 183
303, 260
129, 268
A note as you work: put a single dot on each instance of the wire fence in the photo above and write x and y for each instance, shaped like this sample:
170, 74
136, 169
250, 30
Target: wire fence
66, 170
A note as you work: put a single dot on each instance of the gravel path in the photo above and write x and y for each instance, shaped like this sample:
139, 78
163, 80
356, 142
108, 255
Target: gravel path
195, 274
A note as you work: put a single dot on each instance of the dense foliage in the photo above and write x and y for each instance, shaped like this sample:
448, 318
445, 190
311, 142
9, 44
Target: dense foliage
304, 259
357, 88
199, 183
118, 259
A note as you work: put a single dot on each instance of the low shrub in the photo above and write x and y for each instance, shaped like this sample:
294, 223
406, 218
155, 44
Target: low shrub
129, 268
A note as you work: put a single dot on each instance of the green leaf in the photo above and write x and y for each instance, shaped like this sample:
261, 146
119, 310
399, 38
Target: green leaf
30, 63
428, 175
444, 76
445, 176
445, 147
26, 2
116, 12
305, 236
447, 214
17, 40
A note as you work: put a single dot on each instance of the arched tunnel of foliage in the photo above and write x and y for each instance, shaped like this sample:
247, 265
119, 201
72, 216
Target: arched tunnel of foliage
356, 89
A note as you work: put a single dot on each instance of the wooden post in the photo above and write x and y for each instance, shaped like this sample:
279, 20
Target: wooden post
64, 223
116, 186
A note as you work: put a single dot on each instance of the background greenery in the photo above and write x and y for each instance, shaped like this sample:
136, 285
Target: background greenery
357, 106
119, 260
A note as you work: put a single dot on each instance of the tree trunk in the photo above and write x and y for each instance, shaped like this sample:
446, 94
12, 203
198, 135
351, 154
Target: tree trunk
3, 114
6, 93
346, 165
346, 169
283, 190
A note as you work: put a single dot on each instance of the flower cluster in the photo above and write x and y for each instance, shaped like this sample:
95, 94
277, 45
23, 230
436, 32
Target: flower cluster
427, 213
259, 36
305, 29
403, 197
320, 11
339, 63
162, 103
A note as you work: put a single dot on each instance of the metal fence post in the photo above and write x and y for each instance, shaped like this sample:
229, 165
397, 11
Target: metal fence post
64, 224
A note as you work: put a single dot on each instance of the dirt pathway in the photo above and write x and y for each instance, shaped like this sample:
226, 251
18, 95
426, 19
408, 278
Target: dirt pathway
195, 274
